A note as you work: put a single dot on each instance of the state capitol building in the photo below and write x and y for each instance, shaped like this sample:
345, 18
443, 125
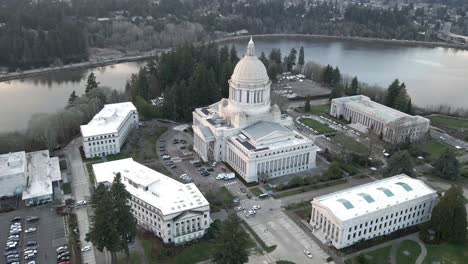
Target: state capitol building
247, 132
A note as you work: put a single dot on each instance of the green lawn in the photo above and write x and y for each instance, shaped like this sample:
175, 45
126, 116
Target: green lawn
317, 126
408, 251
434, 147
134, 259
319, 109
450, 122
447, 253
308, 188
379, 256
194, 253
117, 156
227, 196
351, 144
256, 191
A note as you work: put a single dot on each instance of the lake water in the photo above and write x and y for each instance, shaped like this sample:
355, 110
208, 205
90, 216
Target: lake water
433, 76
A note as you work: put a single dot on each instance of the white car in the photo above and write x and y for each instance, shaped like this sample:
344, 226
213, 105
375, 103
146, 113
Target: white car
251, 211
30, 230
183, 175
307, 253
373, 168
87, 248
61, 248
256, 207
81, 202
458, 147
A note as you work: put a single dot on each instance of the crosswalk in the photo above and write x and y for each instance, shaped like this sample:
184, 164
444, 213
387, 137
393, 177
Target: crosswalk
230, 183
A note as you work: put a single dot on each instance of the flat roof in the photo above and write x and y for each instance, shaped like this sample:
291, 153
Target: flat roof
367, 198
108, 120
366, 105
12, 163
158, 190
42, 170
261, 129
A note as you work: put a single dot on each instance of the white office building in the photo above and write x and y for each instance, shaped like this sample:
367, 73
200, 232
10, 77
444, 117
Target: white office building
394, 126
107, 131
343, 218
175, 212
32, 175
247, 132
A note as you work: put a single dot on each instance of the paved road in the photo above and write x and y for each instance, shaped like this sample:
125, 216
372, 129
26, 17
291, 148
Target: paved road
80, 191
447, 139
274, 227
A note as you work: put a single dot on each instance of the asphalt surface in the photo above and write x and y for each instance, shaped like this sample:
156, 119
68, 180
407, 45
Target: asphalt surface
49, 235
80, 191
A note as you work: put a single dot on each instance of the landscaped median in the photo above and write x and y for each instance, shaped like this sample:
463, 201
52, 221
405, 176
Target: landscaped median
317, 126
308, 188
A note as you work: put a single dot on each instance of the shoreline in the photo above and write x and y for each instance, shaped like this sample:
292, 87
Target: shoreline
148, 55
407, 43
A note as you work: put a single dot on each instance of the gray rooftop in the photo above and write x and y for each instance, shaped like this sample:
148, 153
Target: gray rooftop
42, 170
12, 163
263, 128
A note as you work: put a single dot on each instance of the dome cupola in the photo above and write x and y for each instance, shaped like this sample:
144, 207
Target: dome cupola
250, 71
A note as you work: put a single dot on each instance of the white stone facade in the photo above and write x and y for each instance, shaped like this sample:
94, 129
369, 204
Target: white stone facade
107, 131
346, 217
394, 126
218, 127
173, 211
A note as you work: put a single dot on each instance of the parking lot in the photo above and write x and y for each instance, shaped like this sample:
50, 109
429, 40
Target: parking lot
183, 164
49, 234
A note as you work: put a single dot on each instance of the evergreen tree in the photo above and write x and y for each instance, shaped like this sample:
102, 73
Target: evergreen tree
447, 166
224, 54
327, 74
307, 105
72, 98
91, 83
232, 245
233, 55
103, 233
401, 100
336, 76
448, 219
125, 221
399, 163
392, 93
336, 92
300, 60
409, 107
273, 70
333, 172
354, 89
275, 56
291, 59
264, 59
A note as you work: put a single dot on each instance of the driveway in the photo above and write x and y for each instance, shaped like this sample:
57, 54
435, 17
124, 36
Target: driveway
80, 191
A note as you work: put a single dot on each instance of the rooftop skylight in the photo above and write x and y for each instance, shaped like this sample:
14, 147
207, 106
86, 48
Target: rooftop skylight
346, 203
405, 186
386, 191
367, 197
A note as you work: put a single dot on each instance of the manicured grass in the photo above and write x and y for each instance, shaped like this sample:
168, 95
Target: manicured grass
447, 253
412, 250
308, 188
134, 259
450, 122
66, 188
379, 256
435, 148
351, 144
195, 253
317, 126
256, 191
319, 109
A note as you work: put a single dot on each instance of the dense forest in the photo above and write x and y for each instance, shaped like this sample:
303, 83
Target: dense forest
41, 33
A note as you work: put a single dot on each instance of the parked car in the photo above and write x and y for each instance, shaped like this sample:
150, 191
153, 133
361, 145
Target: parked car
81, 202
16, 219
61, 248
30, 230
239, 208
256, 207
307, 253
32, 219
31, 243
86, 248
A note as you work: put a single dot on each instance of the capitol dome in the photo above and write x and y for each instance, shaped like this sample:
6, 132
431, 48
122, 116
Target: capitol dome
250, 71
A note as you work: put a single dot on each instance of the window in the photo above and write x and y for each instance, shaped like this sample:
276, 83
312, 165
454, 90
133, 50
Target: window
405, 186
386, 191
346, 203
367, 197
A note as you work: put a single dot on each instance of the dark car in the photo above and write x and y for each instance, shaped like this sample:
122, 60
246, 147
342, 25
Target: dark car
31, 243
16, 219
210, 169
243, 190
13, 260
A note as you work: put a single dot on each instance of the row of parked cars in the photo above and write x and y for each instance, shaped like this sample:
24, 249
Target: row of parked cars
249, 212
63, 255
12, 251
